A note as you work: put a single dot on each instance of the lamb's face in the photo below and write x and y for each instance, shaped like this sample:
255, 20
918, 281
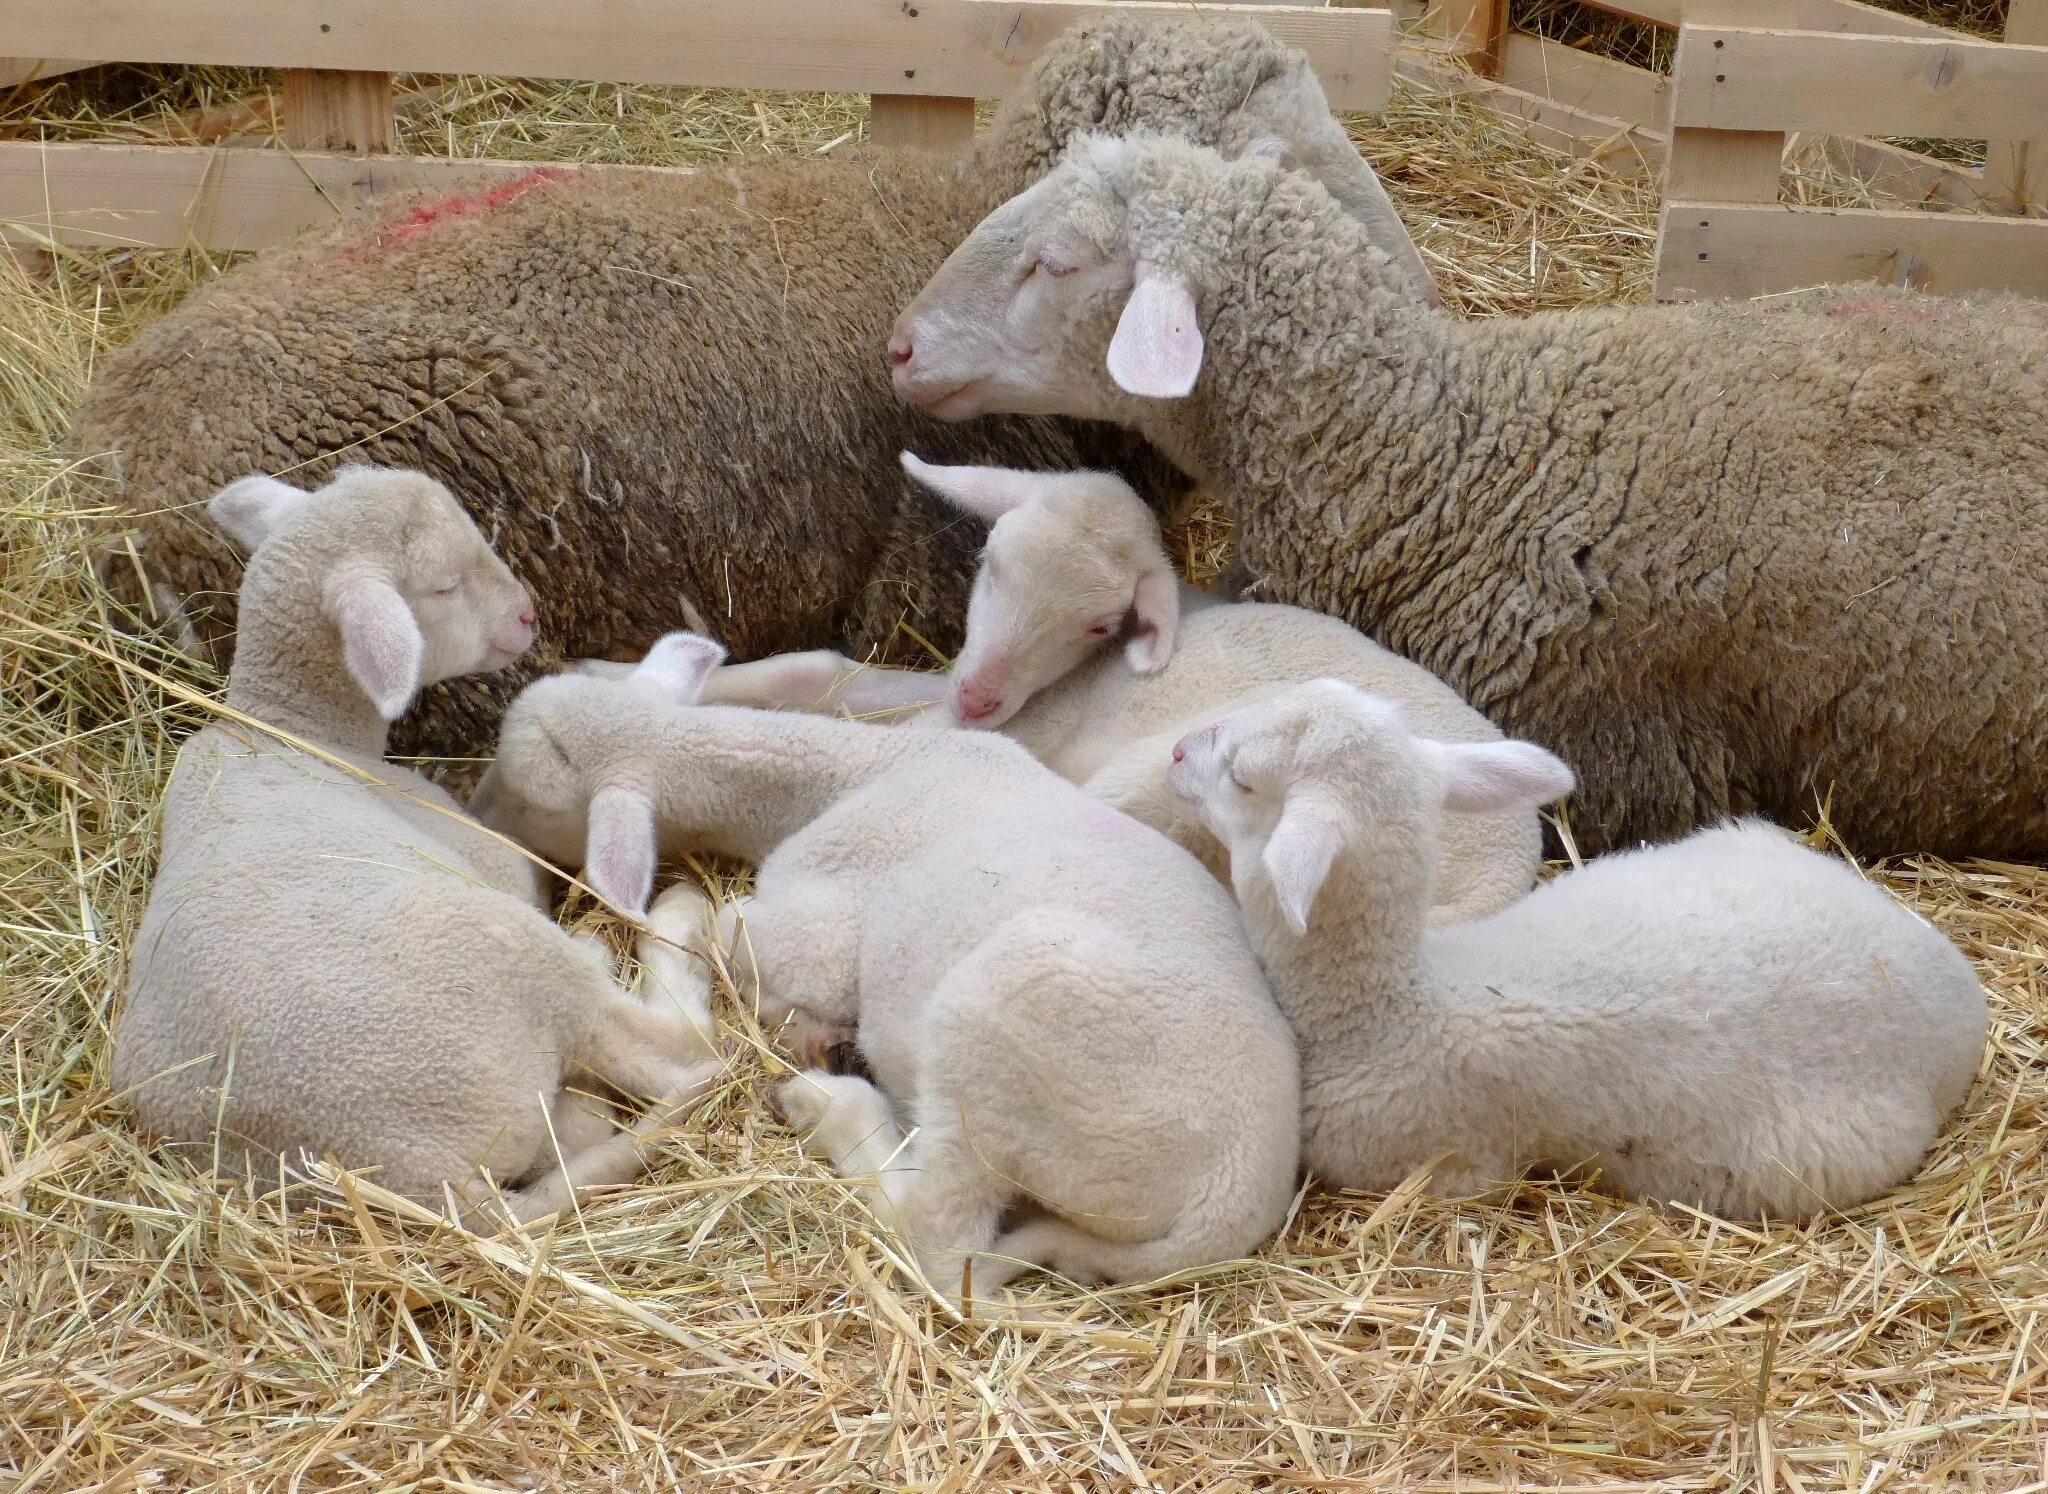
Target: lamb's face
997, 327
472, 612
539, 790
1238, 772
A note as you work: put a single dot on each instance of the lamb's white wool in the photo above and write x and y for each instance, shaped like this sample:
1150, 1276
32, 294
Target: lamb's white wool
1731, 1022
992, 932
1082, 646
335, 960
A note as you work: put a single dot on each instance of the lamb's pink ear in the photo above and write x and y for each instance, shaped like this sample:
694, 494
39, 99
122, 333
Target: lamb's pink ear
986, 492
1157, 350
680, 663
380, 641
1494, 777
1299, 856
619, 863
1156, 607
250, 509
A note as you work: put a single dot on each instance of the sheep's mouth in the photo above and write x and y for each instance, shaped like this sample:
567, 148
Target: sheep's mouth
937, 404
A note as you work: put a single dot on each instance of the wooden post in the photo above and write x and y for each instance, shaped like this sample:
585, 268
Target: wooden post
1712, 165
913, 119
2016, 171
338, 111
1476, 26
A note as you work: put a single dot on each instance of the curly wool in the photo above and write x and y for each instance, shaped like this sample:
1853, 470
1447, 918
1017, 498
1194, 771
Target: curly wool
664, 399
1724, 559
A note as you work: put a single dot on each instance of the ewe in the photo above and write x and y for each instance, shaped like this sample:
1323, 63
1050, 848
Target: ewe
335, 959
1723, 559
1732, 1022
1061, 1002
661, 398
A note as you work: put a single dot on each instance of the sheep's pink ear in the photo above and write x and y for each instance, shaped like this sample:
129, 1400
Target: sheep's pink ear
1157, 350
1156, 607
381, 642
1299, 856
250, 509
986, 492
680, 663
619, 863
1494, 777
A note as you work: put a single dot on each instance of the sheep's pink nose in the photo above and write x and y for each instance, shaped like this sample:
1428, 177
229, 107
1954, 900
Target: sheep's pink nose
1180, 753
900, 350
977, 701
526, 618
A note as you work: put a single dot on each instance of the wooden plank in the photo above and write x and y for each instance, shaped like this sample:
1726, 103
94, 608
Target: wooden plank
16, 70
1474, 27
1905, 176
1585, 81
1722, 249
1739, 79
2016, 171
1798, 15
931, 124
98, 196
1617, 143
348, 112
948, 48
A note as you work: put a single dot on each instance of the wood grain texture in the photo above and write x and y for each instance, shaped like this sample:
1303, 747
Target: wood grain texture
1724, 249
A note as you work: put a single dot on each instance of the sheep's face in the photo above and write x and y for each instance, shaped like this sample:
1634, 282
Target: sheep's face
1043, 273
539, 790
1073, 561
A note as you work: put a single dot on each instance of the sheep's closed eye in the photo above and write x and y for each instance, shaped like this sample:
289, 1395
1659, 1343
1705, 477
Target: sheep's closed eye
448, 588
1055, 266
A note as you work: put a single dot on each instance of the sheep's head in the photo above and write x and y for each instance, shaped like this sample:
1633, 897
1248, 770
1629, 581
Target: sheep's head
572, 779
1289, 783
1073, 562
409, 585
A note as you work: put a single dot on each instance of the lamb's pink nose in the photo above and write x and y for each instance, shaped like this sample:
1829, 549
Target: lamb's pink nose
900, 350
1180, 753
976, 701
526, 618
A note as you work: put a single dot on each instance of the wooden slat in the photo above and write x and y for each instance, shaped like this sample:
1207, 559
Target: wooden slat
1474, 27
1721, 249
931, 124
230, 199
1906, 176
1800, 15
950, 48
1741, 79
1616, 143
348, 112
15, 70
1585, 81
2016, 171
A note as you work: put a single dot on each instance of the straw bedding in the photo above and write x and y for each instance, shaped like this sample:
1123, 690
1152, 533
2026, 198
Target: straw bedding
736, 1321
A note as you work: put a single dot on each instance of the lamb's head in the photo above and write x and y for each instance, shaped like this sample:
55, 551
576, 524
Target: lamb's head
1073, 561
1081, 295
573, 778
409, 588
1290, 783
1227, 85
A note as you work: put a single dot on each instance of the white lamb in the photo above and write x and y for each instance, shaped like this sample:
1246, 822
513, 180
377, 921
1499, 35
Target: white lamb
335, 960
1732, 1022
1082, 646
1060, 1002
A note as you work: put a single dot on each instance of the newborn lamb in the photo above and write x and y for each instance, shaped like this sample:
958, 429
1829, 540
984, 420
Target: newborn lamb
1732, 1022
1082, 646
1061, 1002
335, 960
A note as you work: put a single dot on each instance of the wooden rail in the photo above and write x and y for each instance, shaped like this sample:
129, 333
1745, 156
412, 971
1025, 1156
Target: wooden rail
1737, 91
923, 62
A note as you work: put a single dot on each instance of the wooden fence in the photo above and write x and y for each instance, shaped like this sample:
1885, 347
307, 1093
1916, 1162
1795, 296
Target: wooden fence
1751, 75
923, 62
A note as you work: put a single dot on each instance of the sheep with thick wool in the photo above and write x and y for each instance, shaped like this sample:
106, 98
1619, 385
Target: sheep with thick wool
1723, 559
1082, 646
663, 398
1059, 1003
336, 961
1733, 1022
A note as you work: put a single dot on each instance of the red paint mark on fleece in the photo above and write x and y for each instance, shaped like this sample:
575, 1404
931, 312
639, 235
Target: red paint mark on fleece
1904, 311
466, 205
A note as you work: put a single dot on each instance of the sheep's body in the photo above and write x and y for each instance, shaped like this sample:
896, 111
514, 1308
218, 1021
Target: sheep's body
1724, 559
664, 395
342, 963
994, 934
1732, 1022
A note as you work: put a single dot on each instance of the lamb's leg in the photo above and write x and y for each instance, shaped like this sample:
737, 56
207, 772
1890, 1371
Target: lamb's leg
675, 952
930, 1191
621, 1157
824, 682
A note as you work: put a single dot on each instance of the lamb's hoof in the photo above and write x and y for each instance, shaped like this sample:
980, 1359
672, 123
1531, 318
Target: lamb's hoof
827, 1048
